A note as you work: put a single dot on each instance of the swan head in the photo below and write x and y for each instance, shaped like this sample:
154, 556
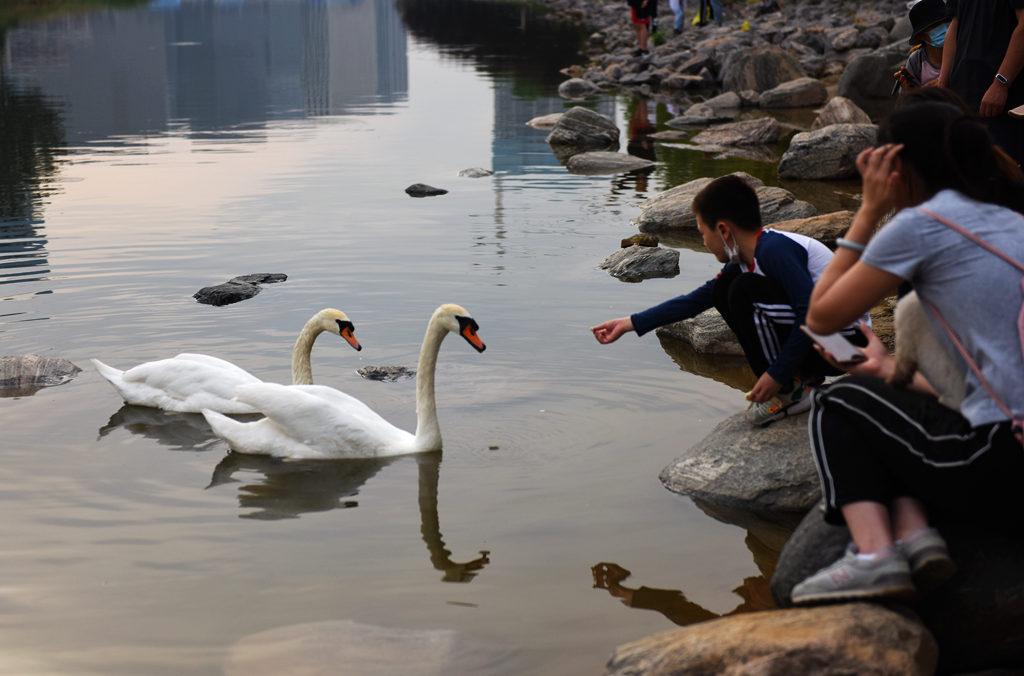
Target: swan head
456, 319
337, 322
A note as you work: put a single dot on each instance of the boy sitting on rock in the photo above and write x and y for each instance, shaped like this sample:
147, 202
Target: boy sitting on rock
762, 293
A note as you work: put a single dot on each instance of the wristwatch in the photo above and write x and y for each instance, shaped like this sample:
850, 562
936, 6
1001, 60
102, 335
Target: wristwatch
1001, 79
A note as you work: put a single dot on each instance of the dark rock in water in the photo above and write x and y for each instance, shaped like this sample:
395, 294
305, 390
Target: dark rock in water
475, 172
388, 374
584, 129
761, 470
827, 153
706, 333
604, 162
637, 263
759, 131
260, 278
226, 293
576, 88
977, 617
424, 190
639, 239
25, 374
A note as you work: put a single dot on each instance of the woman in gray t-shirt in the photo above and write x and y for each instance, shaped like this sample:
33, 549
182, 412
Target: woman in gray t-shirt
891, 458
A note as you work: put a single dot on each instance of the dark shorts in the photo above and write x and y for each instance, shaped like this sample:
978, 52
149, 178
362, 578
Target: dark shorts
641, 15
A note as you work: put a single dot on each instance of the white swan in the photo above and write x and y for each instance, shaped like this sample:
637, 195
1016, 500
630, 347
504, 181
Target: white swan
190, 383
313, 421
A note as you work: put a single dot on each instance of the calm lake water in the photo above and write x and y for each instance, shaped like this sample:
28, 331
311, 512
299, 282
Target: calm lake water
150, 151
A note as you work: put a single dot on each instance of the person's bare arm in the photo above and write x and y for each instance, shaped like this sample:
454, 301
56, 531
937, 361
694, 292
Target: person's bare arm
948, 55
994, 101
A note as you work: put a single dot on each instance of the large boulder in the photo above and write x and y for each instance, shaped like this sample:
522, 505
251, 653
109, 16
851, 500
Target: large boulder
867, 80
25, 374
977, 617
759, 69
707, 333
803, 92
605, 162
673, 209
827, 153
831, 640
840, 110
637, 263
764, 470
576, 88
825, 228
583, 129
759, 131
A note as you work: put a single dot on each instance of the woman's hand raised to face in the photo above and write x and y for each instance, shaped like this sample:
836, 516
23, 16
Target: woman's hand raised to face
880, 173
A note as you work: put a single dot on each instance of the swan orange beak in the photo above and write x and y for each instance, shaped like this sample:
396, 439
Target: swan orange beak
350, 338
472, 338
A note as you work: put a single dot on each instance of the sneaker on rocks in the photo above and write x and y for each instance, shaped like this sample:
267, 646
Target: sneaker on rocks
886, 575
781, 406
928, 556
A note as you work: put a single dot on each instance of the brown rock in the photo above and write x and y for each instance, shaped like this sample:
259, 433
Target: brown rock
639, 239
855, 638
840, 110
825, 228
759, 131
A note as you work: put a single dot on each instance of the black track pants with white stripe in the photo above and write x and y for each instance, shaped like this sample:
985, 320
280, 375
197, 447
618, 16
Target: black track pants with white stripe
759, 313
873, 442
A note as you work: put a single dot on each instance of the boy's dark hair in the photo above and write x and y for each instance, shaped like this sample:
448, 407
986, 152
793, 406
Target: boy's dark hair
729, 198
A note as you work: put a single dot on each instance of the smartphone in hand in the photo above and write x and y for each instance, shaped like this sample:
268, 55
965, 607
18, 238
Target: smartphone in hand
839, 347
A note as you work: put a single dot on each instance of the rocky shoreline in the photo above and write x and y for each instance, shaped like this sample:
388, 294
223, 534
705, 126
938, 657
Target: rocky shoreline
729, 83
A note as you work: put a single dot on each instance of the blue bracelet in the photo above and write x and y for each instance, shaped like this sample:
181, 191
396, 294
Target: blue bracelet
844, 243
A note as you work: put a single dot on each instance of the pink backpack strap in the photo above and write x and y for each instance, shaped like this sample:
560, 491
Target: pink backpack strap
1018, 423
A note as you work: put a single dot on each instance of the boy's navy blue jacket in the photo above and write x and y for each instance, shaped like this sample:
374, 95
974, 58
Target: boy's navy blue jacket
793, 261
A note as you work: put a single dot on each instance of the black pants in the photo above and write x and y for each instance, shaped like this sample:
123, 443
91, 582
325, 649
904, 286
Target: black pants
874, 442
759, 313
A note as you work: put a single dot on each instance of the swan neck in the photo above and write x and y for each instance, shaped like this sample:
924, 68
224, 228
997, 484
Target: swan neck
302, 369
428, 432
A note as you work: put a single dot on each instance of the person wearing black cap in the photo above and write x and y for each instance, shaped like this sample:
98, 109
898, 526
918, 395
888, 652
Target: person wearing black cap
930, 21
983, 62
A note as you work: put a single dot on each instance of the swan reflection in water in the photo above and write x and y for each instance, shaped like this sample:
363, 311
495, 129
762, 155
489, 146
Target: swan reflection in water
289, 488
176, 431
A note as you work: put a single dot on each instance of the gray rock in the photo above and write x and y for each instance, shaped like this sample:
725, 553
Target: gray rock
25, 374
845, 39
476, 172
727, 101
678, 81
707, 333
226, 293
260, 278
750, 99
872, 38
800, 93
977, 618
670, 135
604, 162
388, 374
576, 88
583, 129
544, 121
759, 68
761, 470
840, 110
827, 153
825, 228
701, 114
637, 263
424, 190
902, 30
672, 209
867, 80
759, 131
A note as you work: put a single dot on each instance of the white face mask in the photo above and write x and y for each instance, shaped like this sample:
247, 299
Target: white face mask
731, 252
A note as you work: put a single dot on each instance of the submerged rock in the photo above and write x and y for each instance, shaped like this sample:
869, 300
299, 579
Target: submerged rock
759, 131
583, 129
260, 278
707, 333
476, 172
670, 135
605, 162
639, 239
388, 374
764, 470
977, 617
424, 190
827, 153
25, 374
226, 293
637, 263
800, 93
856, 638
673, 210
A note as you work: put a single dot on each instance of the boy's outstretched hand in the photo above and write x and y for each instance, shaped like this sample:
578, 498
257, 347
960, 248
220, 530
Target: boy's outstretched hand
611, 330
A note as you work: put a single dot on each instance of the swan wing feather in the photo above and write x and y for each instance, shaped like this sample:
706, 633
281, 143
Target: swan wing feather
186, 385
